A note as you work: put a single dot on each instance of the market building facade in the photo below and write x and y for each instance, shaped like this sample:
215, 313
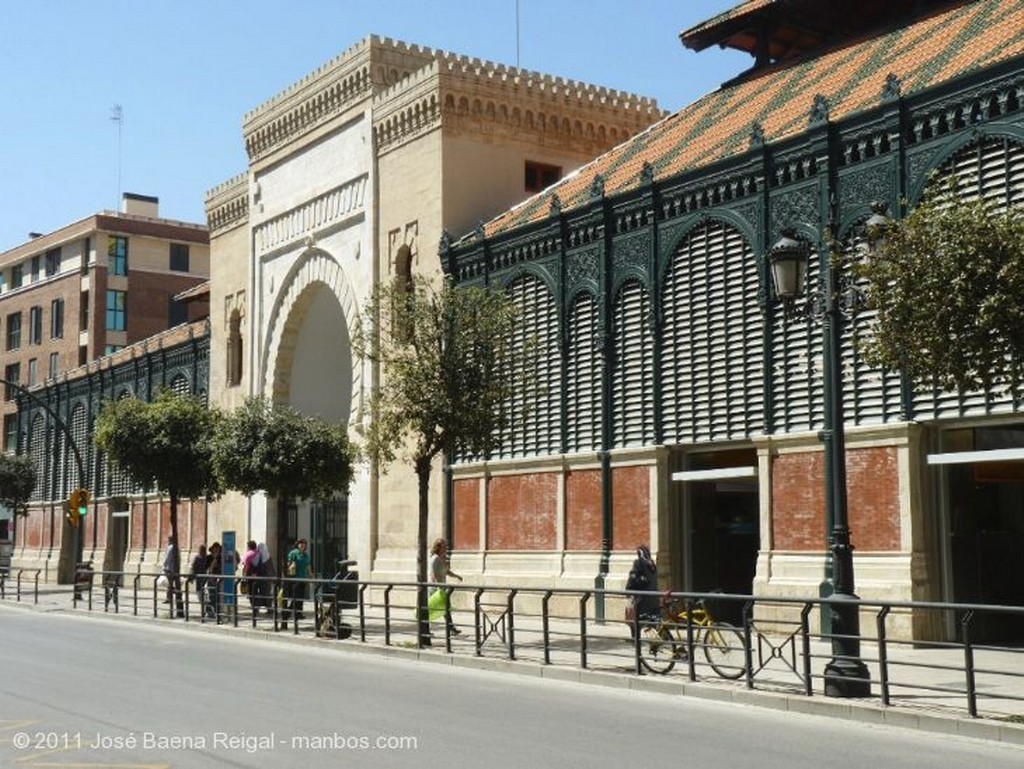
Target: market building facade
681, 404
354, 173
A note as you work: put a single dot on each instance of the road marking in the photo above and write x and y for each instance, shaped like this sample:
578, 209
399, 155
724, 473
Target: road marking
17, 724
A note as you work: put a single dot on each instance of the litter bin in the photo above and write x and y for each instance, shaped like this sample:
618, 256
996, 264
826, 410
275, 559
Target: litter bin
333, 595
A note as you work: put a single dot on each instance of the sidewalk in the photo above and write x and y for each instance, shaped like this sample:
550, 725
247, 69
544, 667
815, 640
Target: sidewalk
927, 686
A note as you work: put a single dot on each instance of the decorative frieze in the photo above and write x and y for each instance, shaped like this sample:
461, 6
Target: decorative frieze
319, 213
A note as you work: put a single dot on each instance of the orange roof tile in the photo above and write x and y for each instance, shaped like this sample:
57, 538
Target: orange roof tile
932, 50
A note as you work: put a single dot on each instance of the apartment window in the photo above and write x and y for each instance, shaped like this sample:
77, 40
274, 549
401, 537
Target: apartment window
52, 262
13, 331
35, 325
110, 349
17, 275
53, 369
116, 301
12, 373
179, 257
117, 255
83, 354
3, 282
37, 262
539, 176
11, 433
57, 319
33, 371
177, 312
83, 313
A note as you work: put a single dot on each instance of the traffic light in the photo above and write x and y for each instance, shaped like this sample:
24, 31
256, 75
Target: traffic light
83, 503
74, 511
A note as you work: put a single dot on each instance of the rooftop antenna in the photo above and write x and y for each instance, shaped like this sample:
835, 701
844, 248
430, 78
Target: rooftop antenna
117, 116
517, 34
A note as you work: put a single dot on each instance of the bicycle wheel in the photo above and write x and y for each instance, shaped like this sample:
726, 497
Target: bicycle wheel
659, 649
724, 649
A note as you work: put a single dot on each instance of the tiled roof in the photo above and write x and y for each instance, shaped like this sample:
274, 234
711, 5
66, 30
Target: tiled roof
930, 51
733, 13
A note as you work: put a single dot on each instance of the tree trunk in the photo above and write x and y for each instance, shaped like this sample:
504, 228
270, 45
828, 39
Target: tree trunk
423, 482
177, 607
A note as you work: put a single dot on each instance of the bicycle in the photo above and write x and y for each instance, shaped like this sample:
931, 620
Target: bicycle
665, 643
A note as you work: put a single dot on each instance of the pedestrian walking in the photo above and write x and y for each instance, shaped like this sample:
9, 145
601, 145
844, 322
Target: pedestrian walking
297, 569
438, 572
172, 571
197, 573
643, 576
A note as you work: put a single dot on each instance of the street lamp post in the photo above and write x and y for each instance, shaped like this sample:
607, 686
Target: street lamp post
846, 675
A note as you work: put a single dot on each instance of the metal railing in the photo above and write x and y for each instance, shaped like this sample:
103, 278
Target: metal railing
777, 644
5, 575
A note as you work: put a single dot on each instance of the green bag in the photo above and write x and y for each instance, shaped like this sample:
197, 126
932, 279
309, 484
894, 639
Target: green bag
437, 605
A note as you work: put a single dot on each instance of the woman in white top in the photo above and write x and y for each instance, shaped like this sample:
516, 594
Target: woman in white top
438, 572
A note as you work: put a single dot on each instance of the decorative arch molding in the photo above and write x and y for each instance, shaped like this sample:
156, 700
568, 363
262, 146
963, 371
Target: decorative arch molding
692, 223
314, 267
917, 184
532, 271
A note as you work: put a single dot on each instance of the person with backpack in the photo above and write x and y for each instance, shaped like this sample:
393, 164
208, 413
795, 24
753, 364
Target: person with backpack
643, 576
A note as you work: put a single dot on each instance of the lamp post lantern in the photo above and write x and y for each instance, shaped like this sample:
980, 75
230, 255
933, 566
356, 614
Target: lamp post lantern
846, 675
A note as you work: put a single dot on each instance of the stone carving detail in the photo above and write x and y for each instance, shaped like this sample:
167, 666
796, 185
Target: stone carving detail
793, 207
631, 252
582, 267
918, 161
322, 211
866, 185
819, 110
750, 213
891, 89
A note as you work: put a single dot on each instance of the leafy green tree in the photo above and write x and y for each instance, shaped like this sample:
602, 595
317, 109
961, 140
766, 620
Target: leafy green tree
17, 482
278, 450
165, 444
948, 287
446, 356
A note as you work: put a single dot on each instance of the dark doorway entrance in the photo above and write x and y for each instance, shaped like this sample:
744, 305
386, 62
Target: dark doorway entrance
723, 535
986, 530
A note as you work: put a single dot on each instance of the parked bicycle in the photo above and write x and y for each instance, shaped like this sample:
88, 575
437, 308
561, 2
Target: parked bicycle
665, 643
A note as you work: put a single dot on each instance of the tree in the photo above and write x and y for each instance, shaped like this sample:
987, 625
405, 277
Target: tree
17, 482
447, 356
276, 449
948, 286
165, 444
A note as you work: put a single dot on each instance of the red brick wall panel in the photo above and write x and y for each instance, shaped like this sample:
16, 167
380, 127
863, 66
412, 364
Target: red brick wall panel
522, 512
872, 477
583, 510
631, 507
798, 502
466, 504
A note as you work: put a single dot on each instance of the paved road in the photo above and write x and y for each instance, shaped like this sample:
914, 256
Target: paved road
161, 697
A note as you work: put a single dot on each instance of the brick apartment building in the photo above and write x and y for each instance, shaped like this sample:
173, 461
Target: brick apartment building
91, 288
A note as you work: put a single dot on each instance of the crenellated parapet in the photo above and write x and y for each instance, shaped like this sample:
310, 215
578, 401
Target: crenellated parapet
369, 66
414, 88
475, 96
227, 204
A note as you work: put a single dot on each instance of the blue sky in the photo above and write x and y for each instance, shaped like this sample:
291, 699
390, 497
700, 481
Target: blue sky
185, 72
